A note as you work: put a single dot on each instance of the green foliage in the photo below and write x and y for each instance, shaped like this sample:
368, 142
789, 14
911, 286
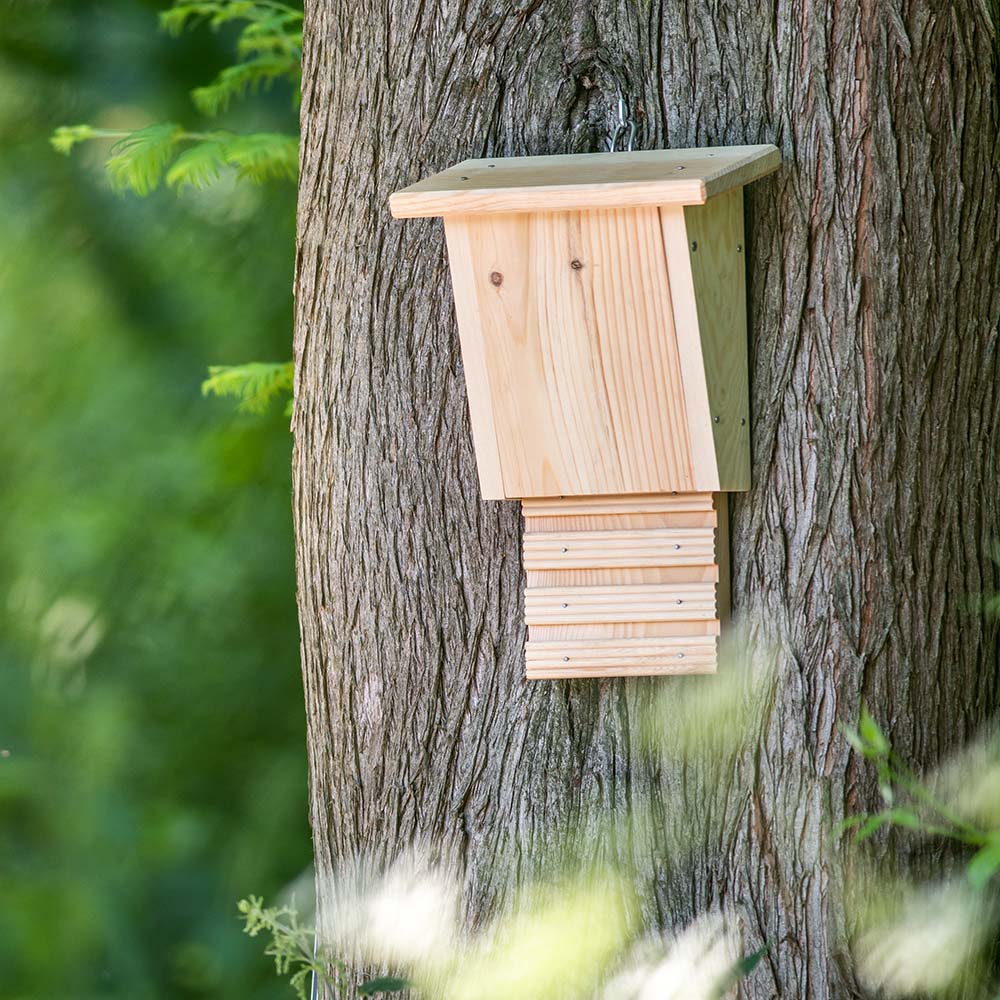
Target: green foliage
255, 384
292, 946
235, 82
152, 765
269, 48
139, 159
923, 810
383, 984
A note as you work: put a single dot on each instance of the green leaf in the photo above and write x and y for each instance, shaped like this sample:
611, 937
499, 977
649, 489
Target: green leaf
264, 156
873, 737
254, 384
984, 864
198, 166
138, 161
743, 968
871, 825
67, 136
234, 82
382, 984
905, 817
848, 823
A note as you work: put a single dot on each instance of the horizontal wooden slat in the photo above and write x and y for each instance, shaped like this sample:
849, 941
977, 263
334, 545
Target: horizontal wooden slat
623, 630
639, 503
616, 657
636, 603
608, 576
655, 547
622, 522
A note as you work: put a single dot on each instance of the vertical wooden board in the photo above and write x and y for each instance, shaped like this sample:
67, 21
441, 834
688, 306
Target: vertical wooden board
718, 273
579, 343
484, 436
705, 470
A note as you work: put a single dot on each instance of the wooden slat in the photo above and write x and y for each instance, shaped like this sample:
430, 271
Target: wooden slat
584, 181
646, 603
614, 657
623, 630
650, 503
617, 522
598, 576
656, 547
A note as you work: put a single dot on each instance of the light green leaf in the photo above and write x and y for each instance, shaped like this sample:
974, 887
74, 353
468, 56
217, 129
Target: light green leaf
67, 136
138, 161
873, 737
984, 864
254, 384
198, 166
264, 156
235, 82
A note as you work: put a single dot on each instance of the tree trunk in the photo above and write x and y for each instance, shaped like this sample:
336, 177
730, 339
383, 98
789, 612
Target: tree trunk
874, 284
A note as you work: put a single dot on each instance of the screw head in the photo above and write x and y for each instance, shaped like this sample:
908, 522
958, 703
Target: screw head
676, 546
680, 656
565, 605
743, 421
694, 244
564, 550
739, 248
565, 659
680, 602
717, 419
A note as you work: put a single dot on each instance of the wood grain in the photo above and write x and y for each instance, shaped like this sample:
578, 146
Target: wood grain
617, 658
609, 603
584, 181
600, 578
574, 320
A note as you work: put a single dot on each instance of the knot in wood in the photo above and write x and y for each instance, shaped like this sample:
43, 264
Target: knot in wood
576, 264
496, 278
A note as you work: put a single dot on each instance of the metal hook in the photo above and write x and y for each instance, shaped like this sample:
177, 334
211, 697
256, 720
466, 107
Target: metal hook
624, 130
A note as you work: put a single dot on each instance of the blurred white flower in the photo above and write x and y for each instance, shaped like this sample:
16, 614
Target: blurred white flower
931, 941
403, 917
698, 965
970, 782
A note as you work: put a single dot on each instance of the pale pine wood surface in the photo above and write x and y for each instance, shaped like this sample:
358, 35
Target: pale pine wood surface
477, 380
718, 271
576, 328
607, 597
653, 503
584, 181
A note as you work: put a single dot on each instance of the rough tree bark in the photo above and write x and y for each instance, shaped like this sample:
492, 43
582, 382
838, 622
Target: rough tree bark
874, 286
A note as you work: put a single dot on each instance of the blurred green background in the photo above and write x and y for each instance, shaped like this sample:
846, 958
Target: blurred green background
152, 760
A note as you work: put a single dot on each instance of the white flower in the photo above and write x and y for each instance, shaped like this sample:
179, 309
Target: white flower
934, 939
403, 917
698, 965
